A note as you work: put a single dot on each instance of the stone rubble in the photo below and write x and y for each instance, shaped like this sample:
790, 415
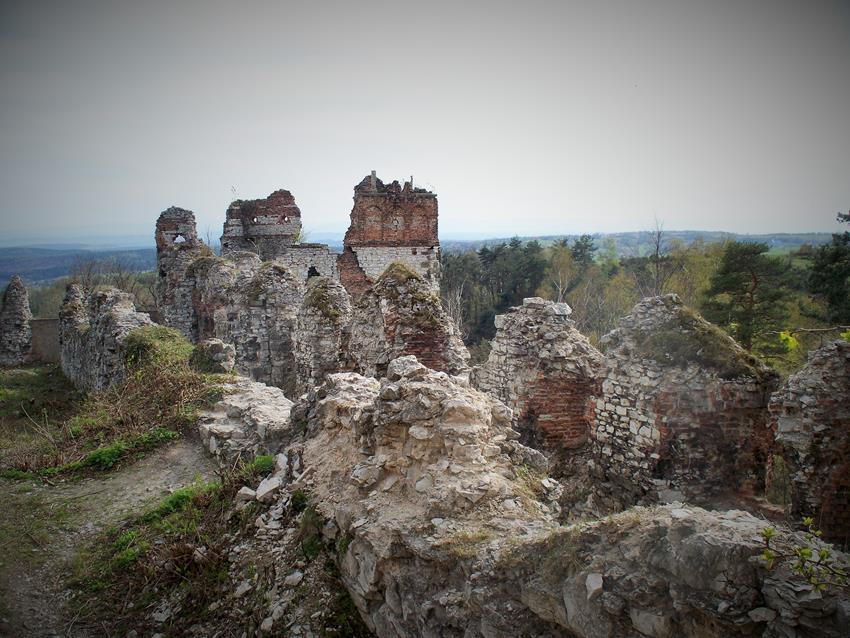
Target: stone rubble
251, 419
448, 534
15, 330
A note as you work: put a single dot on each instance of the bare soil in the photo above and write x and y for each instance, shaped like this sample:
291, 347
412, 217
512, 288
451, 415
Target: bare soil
42, 526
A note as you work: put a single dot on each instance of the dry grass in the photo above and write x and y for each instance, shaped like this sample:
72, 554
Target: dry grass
159, 400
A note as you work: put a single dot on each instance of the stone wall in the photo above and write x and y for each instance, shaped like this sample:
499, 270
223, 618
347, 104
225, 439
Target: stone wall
15, 330
92, 330
681, 409
251, 305
267, 226
322, 331
545, 370
310, 260
401, 315
811, 417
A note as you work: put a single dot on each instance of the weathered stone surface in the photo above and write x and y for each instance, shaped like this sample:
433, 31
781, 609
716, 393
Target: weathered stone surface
444, 536
811, 417
251, 419
92, 330
177, 246
400, 315
681, 406
263, 226
389, 223
322, 330
15, 330
214, 356
545, 371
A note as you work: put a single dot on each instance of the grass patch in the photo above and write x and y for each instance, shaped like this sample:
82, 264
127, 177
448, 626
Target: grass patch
688, 338
158, 401
318, 296
35, 402
180, 544
156, 345
466, 543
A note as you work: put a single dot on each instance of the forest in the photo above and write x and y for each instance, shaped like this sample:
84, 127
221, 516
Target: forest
776, 306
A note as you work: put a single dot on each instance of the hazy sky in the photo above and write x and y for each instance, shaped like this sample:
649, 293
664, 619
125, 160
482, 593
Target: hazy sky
525, 117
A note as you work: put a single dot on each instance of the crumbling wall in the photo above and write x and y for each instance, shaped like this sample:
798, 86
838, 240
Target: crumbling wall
682, 409
811, 417
15, 329
322, 331
390, 223
267, 226
177, 247
252, 305
401, 315
92, 329
545, 370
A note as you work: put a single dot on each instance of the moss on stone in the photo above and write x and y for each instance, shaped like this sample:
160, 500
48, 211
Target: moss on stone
156, 344
202, 265
318, 296
688, 338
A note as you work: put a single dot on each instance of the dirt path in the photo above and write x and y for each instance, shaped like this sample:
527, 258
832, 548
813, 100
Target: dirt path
41, 526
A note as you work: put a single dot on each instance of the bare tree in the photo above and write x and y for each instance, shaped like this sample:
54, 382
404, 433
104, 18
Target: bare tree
454, 307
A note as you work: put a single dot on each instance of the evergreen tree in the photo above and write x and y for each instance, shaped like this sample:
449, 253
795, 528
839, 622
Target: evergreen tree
830, 276
746, 294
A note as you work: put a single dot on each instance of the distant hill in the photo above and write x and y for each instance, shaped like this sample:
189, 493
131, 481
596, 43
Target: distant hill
635, 244
40, 265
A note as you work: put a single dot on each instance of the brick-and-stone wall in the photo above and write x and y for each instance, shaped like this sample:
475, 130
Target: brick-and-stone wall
92, 330
681, 409
401, 315
15, 329
265, 226
545, 370
390, 223
811, 416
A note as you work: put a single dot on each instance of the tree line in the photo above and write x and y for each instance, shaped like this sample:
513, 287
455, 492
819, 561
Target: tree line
776, 306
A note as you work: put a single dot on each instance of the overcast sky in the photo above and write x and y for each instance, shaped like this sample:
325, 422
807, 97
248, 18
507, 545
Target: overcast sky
525, 117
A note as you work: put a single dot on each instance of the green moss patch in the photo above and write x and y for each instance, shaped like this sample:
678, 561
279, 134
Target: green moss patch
156, 345
687, 338
318, 296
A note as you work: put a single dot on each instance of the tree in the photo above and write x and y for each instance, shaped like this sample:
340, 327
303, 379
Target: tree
746, 295
830, 275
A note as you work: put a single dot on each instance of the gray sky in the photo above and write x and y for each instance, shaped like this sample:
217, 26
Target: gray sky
525, 117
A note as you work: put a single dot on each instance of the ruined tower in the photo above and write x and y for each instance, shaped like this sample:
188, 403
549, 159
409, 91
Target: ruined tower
389, 223
264, 226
